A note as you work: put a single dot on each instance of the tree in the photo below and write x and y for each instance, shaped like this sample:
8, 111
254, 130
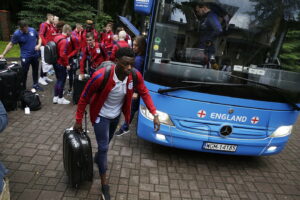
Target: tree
100, 6
288, 10
125, 7
102, 18
290, 53
70, 11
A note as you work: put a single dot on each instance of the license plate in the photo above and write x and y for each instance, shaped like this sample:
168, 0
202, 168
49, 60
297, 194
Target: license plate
220, 147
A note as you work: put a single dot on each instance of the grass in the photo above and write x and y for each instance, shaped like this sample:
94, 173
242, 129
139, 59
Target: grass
13, 53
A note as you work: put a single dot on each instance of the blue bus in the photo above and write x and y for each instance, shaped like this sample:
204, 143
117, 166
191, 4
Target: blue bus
214, 72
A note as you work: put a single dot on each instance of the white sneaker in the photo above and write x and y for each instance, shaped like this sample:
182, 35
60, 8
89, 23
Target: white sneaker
47, 79
42, 81
55, 100
63, 101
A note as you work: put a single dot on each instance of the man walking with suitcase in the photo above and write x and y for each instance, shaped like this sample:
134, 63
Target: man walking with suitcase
107, 102
30, 44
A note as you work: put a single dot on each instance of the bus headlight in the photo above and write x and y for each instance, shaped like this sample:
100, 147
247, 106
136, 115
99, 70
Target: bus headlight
282, 131
162, 116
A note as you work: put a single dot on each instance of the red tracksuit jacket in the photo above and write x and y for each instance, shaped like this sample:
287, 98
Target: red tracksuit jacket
121, 43
78, 35
96, 99
47, 33
83, 38
74, 46
62, 49
97, 56
107, 40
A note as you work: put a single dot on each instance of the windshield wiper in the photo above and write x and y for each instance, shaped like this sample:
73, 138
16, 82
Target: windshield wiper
198, 84
271, 65
272, 88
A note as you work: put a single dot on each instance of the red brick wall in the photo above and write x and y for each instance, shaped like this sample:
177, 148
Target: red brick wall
4, 25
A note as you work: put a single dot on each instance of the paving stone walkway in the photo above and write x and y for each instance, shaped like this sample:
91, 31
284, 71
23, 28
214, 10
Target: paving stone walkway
31, 148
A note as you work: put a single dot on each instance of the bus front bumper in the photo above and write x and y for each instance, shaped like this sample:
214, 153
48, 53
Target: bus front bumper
172, 137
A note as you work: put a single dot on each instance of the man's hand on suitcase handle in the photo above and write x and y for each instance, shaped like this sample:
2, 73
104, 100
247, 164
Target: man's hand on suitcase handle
81, 77
78, 127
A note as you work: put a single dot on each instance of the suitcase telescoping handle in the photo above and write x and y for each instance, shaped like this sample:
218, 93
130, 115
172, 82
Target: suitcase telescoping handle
85, 127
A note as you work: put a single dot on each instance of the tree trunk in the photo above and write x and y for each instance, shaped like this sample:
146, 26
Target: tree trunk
125, 7
100, 7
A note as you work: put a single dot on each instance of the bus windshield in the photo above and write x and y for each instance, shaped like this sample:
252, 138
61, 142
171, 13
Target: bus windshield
219, 41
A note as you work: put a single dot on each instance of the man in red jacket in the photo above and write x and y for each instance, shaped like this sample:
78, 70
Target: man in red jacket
47, 33
121, 43
89, 29
78, 31
73, 55
106, 105
107, 38
96, 54
62, 41
55, 22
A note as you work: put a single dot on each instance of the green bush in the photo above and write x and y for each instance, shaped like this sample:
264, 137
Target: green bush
70, 11
13, 53
290, 53
101, 21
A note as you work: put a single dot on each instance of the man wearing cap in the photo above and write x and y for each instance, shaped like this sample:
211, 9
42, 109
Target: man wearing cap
89, 28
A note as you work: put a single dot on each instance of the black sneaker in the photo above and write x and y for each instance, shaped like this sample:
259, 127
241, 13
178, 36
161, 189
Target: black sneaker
105, 192
69, 93
121, 132
37, 87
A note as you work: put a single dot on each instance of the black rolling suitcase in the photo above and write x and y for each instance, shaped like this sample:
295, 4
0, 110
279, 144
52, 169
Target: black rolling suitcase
80, 84
77, 156
19, 81
8, 87
3, 64
78, 87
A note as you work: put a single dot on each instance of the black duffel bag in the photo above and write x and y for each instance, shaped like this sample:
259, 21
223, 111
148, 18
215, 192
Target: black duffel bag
30, 99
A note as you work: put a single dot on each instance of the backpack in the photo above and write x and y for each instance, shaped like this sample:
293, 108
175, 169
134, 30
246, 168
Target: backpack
107, 65
119, 47
50, 52
30, 99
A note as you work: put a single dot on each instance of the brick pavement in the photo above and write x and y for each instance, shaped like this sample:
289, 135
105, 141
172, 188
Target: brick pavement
31, 148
